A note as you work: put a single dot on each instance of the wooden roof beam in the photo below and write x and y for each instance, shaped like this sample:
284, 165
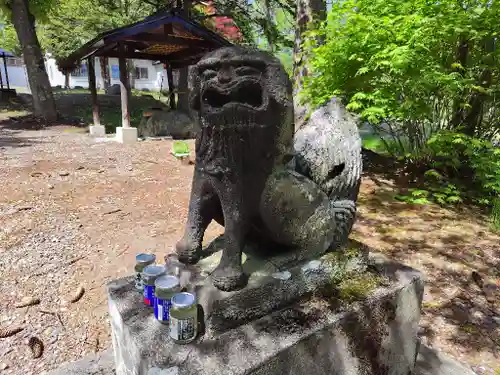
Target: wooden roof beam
135, 55
163, 39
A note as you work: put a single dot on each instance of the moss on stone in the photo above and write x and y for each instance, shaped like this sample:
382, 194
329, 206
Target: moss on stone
350, 279
344, 254
358, 286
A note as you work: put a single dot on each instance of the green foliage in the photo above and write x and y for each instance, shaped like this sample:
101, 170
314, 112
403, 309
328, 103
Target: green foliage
459, 155
285, 56
64, 26
462, 167
495, 215
40, 9
443, 194
374, 143
425, 76
10, 41
72, 23
399, 64
267, 24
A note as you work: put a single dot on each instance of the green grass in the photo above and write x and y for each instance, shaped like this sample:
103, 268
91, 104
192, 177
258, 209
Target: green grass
57, 91
109, 109
373, 143
376, 144
111, 118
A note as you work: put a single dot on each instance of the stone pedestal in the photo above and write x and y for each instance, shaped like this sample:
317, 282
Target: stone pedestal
97, 130
284, 322
126, 135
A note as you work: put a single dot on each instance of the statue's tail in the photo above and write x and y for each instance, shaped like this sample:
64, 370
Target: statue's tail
328, 151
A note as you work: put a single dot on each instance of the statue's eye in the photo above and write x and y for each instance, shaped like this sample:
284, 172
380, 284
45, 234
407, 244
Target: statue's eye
208, 73
247, 71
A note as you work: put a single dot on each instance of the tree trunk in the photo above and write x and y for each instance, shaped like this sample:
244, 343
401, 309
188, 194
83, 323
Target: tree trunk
124, 87
309, 14
458, 110
93, 91
106, 78
66, 80
182, 90
43, 101
170, 80
473, 120
269, 25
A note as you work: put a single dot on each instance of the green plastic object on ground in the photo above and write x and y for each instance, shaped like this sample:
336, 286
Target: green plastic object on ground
180, 148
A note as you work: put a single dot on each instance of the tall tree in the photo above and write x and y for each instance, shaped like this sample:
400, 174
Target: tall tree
310, 13
22, 16
72, 23
418, 66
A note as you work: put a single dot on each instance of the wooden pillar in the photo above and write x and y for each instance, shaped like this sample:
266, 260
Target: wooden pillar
168, 30
124, 87
1, 79
170, 80
6, 72
93, 91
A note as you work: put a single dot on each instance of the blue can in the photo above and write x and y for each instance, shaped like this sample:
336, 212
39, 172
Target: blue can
149, 276
165, 288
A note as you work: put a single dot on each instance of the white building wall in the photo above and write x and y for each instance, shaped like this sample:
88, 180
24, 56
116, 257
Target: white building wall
152, 83
17, 76
157, 76
56, 78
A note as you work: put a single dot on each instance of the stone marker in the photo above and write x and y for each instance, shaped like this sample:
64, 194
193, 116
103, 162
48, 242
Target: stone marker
171, 123
113, 90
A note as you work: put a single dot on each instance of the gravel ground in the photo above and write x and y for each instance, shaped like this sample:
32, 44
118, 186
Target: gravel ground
74, 212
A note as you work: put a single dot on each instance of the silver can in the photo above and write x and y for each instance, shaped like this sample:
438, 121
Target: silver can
149, 276
142, 260
165, 288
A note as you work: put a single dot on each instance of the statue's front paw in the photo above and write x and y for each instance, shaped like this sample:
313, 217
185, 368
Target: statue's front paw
229, 278
188, 251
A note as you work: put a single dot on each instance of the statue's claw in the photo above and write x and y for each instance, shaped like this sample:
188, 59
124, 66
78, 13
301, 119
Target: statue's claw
229, 278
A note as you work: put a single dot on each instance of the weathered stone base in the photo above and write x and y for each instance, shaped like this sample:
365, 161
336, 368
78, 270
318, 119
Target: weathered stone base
126, 135
102, 363
315, 335
429, 362
97, 130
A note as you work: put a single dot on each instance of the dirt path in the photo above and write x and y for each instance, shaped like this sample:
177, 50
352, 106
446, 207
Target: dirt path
446, 246
74, 212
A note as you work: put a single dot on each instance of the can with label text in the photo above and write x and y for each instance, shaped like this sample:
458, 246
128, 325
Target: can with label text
165, 288
183, 318
142, 260
149, 276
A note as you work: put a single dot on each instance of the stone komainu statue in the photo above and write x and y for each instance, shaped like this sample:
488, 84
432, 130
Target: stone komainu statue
248, 176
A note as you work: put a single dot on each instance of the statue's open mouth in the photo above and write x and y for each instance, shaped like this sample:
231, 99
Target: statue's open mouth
246, 92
